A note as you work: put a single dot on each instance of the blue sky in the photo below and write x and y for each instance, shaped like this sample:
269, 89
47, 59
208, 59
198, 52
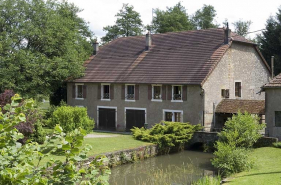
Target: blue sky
100, 13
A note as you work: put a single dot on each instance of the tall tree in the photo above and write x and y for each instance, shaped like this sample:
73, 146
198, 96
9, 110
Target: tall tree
204, 18
242, 27
42, 44
128, 23
270, 41
173, 19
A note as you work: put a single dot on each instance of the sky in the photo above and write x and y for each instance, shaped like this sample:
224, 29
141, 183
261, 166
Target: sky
101, 13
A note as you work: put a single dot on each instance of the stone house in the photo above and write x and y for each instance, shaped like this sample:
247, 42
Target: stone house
178, 76
273, 107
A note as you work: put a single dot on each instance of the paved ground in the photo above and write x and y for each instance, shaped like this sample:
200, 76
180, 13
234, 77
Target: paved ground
100, 135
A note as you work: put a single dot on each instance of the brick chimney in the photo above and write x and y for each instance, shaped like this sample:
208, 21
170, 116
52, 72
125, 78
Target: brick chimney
227, 34
148, 41
95, 47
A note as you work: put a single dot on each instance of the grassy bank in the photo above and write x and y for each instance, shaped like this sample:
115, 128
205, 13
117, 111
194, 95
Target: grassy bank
267, 169
106, 144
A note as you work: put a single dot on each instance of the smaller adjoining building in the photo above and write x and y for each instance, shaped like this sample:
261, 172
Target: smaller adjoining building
228, 107
273, 107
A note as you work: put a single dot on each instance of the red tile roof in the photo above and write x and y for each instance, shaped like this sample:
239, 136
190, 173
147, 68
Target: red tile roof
175, 58
274, 83
234, 105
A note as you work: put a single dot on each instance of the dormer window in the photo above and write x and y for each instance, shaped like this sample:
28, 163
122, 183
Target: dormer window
177, 93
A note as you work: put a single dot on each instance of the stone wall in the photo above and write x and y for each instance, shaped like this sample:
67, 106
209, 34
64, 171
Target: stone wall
272, 104
242, 63
129, 155
265, 142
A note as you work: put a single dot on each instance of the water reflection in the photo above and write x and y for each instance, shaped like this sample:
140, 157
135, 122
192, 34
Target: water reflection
180, 168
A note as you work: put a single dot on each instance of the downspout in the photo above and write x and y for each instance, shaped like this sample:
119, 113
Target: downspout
203, 107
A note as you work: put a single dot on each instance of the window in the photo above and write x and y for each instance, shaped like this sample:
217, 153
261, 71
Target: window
177, 92
156, 92
79, 91
105, 92
130, 92
278, 118
225, 93
238, 89
173, 115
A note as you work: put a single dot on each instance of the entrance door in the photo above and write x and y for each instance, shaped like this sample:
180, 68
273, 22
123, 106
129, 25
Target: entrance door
107, 119
134, 118
173, 116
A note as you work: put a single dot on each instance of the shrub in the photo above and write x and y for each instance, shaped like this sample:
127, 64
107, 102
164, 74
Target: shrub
277, 145
71, 118
230, 159
242, 129
20, 164
5, 97
238, 135
167, 135
38, 135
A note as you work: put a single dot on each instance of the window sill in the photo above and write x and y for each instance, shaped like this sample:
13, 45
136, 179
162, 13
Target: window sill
105, 99
130, 100
156, 100
79, 98
176, 101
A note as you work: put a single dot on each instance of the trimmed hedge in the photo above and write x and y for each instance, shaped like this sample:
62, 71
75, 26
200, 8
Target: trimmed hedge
71, 118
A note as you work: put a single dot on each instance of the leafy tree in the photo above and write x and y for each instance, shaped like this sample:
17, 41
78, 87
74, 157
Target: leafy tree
270, 41
204, 18
20, 164
242, 27
128, 23
173, 19
43, 43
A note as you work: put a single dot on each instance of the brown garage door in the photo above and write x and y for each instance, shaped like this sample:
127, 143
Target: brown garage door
107, 119
134, 118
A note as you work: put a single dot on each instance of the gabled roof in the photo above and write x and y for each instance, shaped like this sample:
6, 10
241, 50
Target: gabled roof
274, 83
234, 105
186, 57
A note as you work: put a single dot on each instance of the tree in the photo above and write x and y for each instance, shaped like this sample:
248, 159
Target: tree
20, 164
242, 27
173, 19
204, 18
128, 23
270, 41
43, 43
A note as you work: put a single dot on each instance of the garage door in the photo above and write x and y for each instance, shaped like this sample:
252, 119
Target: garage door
134, 118
106, 119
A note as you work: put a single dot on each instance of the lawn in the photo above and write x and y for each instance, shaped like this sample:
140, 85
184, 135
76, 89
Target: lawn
106, 144
267, 169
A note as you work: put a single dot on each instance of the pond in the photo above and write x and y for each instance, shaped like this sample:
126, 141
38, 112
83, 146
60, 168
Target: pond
176, 169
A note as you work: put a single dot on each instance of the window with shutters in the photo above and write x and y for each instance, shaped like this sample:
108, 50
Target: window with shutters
278, 118
238, 89
130, 92
177, 93
79, 91
105, 91
225, 93
156, 92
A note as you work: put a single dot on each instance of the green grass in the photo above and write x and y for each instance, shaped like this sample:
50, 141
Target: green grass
104, 145
267, 169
